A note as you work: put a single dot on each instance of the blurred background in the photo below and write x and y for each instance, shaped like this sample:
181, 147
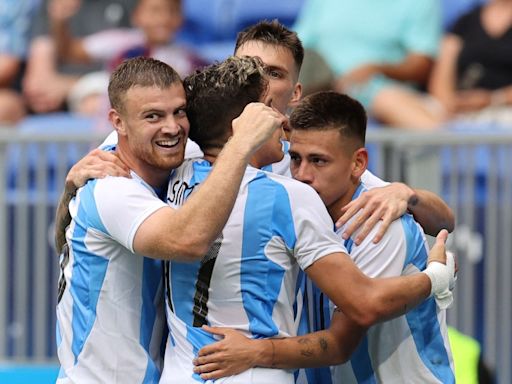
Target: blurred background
435, 77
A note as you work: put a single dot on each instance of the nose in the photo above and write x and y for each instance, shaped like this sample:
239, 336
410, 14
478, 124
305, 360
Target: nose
302, 173
171, 126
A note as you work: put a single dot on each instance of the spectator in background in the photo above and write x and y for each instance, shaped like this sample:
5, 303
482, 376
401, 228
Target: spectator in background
155, 23
44, 67
380, 52
473, 75
16, 17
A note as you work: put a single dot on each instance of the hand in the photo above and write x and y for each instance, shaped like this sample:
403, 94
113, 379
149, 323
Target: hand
255, 125
232, 355
63, 10
442, 271
384, 204
97, 164
473, 100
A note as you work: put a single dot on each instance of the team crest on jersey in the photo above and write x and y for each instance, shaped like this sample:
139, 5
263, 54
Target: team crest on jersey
179, 191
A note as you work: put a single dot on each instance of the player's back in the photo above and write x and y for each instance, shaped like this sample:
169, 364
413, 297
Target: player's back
250, 277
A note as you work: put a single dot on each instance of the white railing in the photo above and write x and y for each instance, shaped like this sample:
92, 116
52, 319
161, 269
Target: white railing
472, 171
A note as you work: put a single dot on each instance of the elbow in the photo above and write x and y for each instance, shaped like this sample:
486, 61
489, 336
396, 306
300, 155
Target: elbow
371, 312
450, 221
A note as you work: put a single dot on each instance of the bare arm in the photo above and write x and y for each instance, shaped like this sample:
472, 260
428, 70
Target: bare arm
69, 48
442, 84
188, 232
389, 203
9, 67
236, 353
367, 301
415, 68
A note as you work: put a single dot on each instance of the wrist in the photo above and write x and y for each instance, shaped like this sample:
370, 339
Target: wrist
265, 356
238, 149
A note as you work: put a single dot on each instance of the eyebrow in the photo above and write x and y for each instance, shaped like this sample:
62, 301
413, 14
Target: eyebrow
267, 67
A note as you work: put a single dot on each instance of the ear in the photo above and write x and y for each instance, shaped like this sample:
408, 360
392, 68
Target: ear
296, 95
117, 122
359, 162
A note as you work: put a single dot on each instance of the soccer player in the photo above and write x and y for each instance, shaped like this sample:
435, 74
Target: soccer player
282, 53
110, 305
327, 152
250, 277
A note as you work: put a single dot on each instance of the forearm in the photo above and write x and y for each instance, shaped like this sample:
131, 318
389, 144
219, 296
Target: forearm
68, 48
431, 212
363, 300
415, 68
9, 67
312, 350
201, 219
63, 218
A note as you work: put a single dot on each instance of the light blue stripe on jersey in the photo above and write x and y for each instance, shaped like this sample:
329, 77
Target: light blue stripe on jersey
362, 364
360, 360
88, 270
261, 278
422, 320
151, 277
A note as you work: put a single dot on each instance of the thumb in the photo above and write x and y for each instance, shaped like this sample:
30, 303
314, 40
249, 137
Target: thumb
441, 237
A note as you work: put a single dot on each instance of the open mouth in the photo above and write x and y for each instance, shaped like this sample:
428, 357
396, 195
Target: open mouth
168, 143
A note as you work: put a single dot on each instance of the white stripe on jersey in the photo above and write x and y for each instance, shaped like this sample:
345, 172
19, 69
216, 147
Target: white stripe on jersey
249, 279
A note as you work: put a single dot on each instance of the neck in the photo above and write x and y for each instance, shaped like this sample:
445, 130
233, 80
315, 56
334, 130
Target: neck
334, 209
155, 177
210, 154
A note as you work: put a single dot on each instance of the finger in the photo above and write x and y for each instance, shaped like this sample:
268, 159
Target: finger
215, 374
205, 368
210, 349
214, 330
384, 225
441, 237
368, 226
356, 223
351, 209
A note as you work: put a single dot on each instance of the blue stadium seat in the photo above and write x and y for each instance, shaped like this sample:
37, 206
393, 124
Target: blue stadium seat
211, 29
452, 9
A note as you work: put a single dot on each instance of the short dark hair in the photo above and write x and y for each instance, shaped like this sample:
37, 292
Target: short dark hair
139, 71
273, 33
218, 94
331, 110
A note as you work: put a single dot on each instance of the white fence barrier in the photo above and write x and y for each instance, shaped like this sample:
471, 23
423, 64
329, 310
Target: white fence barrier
473, 173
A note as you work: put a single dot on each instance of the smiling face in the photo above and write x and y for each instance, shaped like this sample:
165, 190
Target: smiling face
282, 72
153, 130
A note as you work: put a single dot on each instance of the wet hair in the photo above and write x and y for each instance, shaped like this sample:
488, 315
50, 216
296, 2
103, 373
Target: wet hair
218, 94
273, 33
331, 110
142, 72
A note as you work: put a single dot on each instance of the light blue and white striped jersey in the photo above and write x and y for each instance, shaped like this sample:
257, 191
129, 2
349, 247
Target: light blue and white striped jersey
250, 277
412, 348
110, 311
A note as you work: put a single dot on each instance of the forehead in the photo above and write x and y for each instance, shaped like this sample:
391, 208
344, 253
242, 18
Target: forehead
320, 142
271, 54
154, 96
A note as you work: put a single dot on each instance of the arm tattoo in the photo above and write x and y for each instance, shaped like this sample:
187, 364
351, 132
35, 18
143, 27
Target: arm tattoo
306, 347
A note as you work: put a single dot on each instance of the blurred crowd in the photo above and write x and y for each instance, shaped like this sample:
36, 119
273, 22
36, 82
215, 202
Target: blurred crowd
413, 64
